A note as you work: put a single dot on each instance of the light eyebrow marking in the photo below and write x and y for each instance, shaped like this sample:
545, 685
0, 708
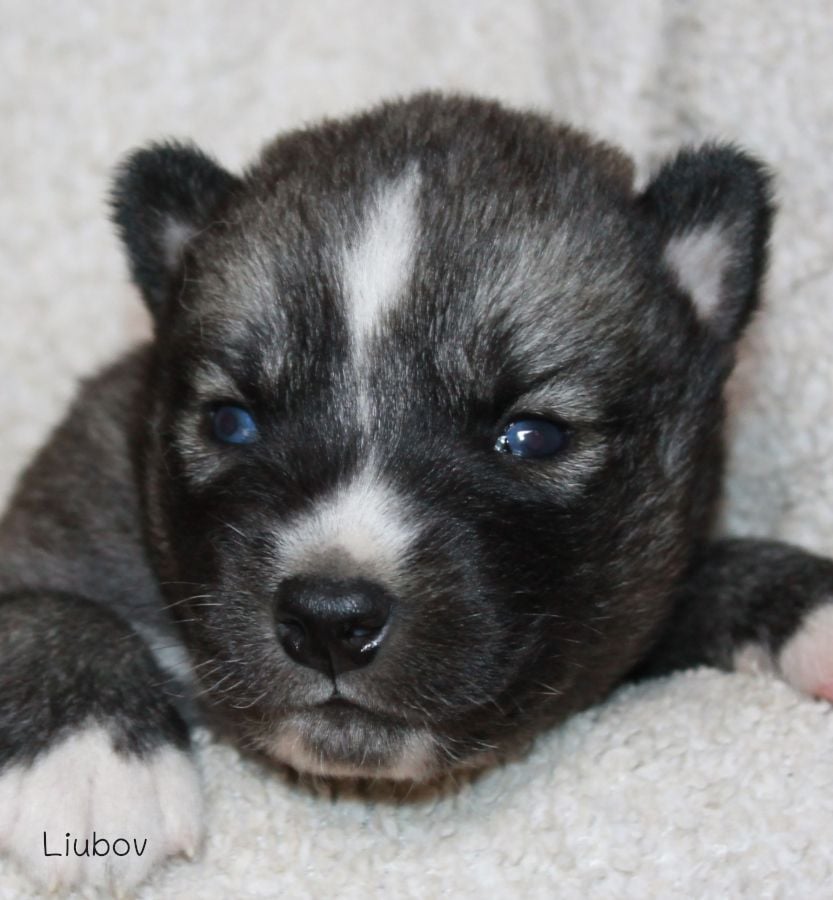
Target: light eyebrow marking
211, 381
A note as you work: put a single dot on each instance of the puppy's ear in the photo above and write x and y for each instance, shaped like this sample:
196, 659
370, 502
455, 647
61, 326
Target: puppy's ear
162, 196
713, 210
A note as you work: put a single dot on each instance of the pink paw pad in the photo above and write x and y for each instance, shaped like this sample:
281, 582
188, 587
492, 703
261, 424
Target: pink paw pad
825, 691
806, 660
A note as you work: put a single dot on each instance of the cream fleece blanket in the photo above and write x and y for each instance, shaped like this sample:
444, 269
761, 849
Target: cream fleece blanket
701, 785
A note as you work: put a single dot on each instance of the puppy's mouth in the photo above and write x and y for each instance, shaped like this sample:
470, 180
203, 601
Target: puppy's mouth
342, 739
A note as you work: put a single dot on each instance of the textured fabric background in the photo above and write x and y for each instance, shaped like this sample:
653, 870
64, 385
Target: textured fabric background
703, 785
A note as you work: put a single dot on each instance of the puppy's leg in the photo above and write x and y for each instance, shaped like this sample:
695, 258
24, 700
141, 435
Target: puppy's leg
89, 743
749, 604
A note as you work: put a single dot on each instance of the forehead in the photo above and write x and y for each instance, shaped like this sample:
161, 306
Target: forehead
483, 234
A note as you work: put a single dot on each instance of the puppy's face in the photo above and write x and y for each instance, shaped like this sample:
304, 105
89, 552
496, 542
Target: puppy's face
434, 423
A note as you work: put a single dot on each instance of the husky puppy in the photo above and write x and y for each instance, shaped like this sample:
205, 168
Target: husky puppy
423, 458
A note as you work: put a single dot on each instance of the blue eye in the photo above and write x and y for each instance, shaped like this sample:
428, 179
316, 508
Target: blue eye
532, 439
233, 425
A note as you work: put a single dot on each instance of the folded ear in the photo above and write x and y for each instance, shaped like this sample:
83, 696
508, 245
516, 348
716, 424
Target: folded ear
713, 209
162, 196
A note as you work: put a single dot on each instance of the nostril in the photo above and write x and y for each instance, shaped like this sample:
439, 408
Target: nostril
359, 631
291, 631
301, 644
362, 637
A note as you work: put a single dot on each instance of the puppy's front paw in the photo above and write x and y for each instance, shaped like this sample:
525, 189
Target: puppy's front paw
82, 813
806, 659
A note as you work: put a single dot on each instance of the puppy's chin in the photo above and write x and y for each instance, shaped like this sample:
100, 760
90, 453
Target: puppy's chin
341, 740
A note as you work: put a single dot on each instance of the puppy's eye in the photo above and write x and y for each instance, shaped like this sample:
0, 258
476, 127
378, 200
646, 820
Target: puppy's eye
233, 425
532, 438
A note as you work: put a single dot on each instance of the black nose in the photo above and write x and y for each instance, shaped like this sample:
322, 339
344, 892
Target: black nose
333, 625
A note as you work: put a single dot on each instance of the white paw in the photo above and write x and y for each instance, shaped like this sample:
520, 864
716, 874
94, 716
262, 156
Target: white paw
806, 660
123, 815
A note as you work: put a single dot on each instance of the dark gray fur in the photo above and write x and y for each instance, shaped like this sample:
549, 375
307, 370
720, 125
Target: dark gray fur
534, 587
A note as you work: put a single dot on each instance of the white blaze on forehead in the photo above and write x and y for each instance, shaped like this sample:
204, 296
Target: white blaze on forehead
378, 261
699, 260
364, 521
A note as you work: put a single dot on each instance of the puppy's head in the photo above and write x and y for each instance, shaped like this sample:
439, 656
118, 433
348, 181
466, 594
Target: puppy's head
434, 419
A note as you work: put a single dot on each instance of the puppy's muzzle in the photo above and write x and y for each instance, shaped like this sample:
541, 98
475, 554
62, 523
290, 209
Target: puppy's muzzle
332, 625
